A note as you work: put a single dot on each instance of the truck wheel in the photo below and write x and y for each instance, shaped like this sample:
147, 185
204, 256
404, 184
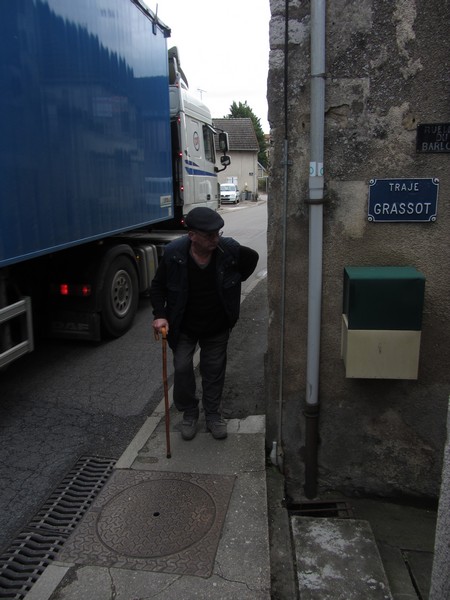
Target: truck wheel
120, 297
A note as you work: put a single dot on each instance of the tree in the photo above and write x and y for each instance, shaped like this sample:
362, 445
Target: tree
240, 111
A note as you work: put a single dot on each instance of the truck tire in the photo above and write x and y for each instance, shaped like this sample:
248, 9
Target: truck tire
120, 297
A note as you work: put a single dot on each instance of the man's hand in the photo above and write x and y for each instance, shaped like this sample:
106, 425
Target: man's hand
158, 324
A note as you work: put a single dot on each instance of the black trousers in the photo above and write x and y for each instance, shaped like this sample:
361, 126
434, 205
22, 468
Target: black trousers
213, 362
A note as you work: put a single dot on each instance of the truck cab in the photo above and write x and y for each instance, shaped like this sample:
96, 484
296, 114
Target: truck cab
193, 146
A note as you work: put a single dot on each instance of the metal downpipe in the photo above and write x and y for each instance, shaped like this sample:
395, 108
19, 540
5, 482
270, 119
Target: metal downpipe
316, 186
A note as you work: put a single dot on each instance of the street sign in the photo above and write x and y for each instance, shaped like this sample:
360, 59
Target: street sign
433, 138
403, 200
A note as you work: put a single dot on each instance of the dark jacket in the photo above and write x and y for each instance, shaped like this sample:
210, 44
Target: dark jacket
169, 290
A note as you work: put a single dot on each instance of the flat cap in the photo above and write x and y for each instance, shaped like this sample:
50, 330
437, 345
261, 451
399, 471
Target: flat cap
204, 219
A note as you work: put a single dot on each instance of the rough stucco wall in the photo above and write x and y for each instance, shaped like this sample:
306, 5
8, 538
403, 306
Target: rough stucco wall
440, 578
387, 71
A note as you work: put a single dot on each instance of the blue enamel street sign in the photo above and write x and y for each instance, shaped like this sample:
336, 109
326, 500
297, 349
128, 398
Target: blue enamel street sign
403, 200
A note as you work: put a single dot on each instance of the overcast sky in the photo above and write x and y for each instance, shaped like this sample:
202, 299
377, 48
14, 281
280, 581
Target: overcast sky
223, 49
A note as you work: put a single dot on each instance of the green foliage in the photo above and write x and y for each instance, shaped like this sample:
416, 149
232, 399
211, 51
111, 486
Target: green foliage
241, 111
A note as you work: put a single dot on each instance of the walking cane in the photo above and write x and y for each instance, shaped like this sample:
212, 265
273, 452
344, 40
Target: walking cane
166, 388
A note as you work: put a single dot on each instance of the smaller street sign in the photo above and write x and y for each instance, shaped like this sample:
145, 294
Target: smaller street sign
433, 138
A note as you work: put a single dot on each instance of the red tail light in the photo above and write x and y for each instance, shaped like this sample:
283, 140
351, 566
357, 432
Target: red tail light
66, 289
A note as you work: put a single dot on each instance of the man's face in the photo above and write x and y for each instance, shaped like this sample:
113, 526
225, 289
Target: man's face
205, 242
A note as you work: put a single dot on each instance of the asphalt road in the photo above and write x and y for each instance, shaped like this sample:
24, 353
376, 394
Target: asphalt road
70, 399
247, 223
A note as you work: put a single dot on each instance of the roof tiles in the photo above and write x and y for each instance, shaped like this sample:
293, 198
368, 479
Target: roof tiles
241, 133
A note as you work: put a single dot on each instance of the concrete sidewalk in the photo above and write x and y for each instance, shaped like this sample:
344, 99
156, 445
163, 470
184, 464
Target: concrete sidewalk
239, 549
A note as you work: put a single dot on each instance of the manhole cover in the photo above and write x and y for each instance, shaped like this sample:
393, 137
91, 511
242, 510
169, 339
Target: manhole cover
156, 519
153, 521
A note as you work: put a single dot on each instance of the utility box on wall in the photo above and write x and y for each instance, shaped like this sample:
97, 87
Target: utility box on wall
382, 322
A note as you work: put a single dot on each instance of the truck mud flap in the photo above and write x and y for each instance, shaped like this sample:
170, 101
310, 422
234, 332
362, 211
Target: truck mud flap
74, 325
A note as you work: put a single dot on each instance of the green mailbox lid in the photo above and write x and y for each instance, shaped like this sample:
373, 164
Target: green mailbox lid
384, 298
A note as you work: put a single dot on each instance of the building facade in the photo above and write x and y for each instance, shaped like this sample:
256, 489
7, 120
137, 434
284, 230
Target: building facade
386, 204
243, 152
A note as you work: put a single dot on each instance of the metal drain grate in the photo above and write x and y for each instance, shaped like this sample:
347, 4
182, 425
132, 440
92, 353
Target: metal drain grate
324, 509
39, 543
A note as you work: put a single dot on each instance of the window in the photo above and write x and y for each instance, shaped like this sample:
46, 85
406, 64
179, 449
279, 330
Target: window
208, 140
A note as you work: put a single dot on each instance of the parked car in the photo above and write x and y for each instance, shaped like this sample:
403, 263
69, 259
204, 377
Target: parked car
229, 193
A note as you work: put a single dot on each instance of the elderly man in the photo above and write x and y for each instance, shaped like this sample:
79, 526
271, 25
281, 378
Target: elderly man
196, 295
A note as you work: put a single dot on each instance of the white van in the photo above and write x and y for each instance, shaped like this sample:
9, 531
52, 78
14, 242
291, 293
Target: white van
229, 193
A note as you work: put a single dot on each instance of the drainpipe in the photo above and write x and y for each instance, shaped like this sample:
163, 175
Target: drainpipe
315, 201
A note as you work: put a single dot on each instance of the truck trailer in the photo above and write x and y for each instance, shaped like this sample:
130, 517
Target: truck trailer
103, 151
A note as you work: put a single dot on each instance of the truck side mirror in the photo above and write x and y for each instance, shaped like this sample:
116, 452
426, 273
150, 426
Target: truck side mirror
225, 160
223, 142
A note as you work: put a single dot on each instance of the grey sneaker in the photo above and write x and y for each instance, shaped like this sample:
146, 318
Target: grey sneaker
188, 428
218, 429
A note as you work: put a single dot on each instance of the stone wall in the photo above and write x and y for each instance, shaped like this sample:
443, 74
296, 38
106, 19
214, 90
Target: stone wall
440, 578
387, 72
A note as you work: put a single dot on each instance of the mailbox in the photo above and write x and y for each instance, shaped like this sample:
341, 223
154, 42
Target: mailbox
382, 322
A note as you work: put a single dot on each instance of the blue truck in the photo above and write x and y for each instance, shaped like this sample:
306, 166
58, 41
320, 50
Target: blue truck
103, 151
